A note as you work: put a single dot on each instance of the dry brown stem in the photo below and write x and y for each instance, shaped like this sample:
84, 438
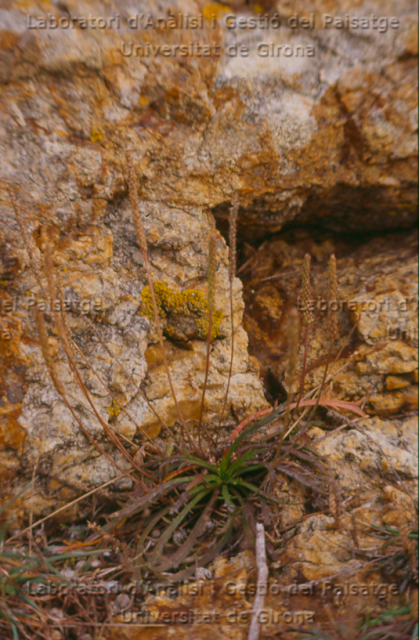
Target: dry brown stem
261, 584
39, 318
234, 210
142, 242
27, 240
335, 502
212, 271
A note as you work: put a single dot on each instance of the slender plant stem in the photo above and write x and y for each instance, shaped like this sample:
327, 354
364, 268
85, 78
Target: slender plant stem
115, 399
284, 434
303, 374
329, 353
64, 339
231, 363
207, 361
232, 265
163, 350
70, 504
142, 242
127, 373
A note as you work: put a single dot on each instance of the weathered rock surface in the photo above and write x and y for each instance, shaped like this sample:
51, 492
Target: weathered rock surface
102, 287
374, 358
323, 136
328, 137
317, 573
324, 132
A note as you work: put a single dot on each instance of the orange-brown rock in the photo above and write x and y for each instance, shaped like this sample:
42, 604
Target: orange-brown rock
325, 136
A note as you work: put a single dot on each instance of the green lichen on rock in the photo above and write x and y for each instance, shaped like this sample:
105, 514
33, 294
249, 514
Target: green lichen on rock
172, 306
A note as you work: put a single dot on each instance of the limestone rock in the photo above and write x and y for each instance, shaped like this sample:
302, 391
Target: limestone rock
375, 450
327, 137
374, 358
115, 352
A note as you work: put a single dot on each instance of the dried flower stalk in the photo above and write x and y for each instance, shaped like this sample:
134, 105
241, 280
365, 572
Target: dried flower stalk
332, 323
232, 258
212, 268
234, 211
335, 502
333, 297
212, 276
354, 530
293, 344
142, 242
26, 238
43, 337
46, 352
306, 292
69, 351
308, 318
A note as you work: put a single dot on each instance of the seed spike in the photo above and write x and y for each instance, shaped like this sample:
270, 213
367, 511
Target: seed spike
234, 210
333, 294
306, 291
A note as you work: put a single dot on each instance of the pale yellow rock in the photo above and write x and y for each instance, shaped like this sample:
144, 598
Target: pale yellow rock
396, 382
301, 138
394, 358
392, 518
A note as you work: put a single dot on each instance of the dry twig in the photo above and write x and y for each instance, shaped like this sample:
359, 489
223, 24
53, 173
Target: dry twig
262, 581
232, 259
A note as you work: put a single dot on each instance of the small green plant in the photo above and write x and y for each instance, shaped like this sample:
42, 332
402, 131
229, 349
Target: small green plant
207, 501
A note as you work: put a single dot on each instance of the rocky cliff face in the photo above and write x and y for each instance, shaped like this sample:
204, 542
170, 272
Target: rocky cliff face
320, 132
375, 352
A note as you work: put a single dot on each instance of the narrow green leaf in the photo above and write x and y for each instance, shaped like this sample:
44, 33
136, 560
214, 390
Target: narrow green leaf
176, 522
247, 431
247, 485
202, 463
226, 495
240, 462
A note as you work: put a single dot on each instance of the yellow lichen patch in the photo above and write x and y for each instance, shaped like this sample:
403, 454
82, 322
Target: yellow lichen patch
162, 294
96, 136
212, 10
114, 409
183, 303
203, 323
